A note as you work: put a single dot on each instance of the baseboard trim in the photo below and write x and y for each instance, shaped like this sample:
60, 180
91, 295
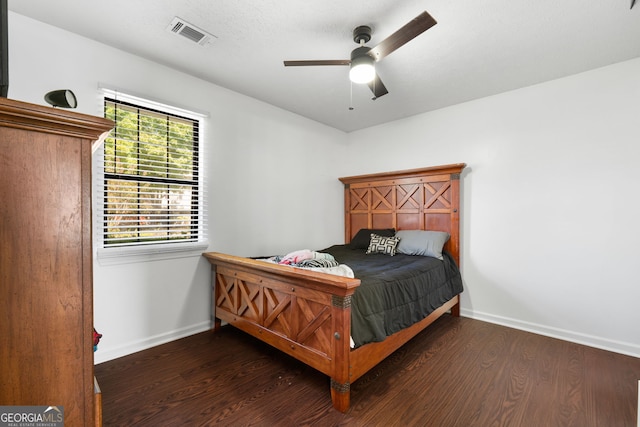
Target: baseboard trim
625, 348
102, 355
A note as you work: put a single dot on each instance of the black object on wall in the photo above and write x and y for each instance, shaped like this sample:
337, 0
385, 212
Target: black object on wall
63, 98
4, 49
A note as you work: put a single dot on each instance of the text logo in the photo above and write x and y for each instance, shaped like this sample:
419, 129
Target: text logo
31, 416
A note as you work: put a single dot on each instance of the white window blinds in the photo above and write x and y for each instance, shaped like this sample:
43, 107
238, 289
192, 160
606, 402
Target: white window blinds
152, 190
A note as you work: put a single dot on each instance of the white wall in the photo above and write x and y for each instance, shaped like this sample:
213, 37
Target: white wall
264, 186
550, 212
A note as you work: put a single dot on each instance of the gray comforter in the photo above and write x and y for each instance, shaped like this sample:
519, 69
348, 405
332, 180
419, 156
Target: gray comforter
395, 291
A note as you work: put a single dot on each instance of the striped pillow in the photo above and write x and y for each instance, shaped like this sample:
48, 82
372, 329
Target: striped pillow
382, 245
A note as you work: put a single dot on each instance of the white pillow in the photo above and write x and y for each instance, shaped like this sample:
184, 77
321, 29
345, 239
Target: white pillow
422, 242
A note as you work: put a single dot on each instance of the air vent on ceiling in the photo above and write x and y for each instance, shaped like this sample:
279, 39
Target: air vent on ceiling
189, 31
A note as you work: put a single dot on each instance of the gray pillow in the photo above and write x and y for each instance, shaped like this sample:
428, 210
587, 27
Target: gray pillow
422, 242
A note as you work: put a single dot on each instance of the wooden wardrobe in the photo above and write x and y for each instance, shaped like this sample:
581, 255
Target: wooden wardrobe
46, 283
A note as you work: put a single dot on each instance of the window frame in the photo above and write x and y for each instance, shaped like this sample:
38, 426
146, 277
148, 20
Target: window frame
148, 251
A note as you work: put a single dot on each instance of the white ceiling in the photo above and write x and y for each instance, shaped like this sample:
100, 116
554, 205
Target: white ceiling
477, 49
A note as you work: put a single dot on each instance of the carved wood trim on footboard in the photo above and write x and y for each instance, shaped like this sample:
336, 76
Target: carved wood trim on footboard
302, 313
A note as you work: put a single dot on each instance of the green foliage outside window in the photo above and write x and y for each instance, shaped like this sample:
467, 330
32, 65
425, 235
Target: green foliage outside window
151, 176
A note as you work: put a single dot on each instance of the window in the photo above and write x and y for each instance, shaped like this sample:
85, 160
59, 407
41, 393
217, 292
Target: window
152, 186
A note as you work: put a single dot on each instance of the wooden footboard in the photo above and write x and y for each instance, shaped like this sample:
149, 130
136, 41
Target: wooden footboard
302, 313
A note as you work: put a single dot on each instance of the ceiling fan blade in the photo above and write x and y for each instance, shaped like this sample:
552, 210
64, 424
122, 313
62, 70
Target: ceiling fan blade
317, 62
414, 28
377, 87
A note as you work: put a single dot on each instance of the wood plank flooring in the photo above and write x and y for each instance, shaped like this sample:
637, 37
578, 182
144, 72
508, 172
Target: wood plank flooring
458, 372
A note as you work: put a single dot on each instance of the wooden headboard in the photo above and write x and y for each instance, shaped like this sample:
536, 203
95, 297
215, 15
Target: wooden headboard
415, 199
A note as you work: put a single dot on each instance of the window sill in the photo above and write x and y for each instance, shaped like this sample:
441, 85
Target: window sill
148, 253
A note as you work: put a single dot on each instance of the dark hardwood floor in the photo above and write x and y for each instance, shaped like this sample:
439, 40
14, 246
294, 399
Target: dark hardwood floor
458, 372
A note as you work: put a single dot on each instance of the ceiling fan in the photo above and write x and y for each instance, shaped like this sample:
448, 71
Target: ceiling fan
363, 58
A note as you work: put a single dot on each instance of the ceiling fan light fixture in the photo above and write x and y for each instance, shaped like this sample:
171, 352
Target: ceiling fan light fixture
362, 69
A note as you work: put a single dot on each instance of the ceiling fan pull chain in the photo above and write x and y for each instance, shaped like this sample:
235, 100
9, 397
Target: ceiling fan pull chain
350, 95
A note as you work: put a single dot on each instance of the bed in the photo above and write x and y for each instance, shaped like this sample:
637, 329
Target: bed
308, 314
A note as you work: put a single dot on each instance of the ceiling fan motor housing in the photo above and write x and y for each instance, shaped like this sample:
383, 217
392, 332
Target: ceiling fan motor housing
360, 52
